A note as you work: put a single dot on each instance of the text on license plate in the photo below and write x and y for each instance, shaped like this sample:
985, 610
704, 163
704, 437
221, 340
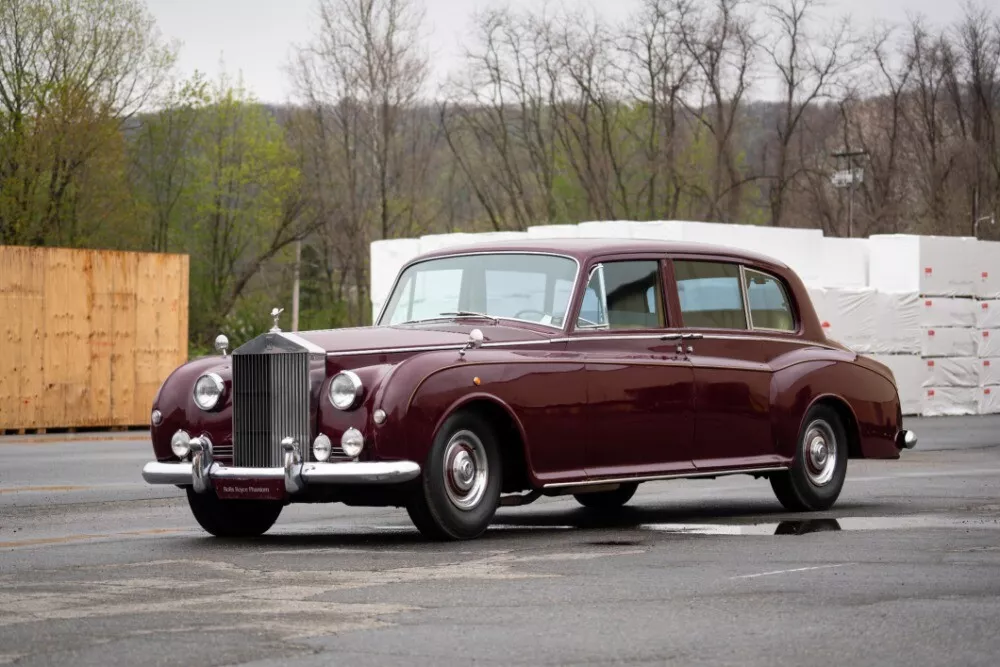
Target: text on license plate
247, 489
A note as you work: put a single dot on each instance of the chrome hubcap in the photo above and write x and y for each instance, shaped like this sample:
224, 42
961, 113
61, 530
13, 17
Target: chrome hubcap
466, 470
820, 447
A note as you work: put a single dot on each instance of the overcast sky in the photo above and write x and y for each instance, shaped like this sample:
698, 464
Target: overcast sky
255, 37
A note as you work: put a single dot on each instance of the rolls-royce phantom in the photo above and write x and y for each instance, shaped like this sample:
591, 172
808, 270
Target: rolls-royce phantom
499, 373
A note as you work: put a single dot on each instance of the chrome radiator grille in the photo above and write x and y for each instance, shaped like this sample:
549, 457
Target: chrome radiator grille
270, 403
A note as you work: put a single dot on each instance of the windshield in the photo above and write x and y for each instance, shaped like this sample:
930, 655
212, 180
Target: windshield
535, 288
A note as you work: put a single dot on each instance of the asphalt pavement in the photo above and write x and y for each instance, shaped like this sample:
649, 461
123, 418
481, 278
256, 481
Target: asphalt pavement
97, 567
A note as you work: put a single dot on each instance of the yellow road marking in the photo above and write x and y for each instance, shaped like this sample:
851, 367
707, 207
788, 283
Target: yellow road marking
36, 489
41, 541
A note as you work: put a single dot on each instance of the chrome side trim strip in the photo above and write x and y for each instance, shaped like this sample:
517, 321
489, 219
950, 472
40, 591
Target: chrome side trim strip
575, 339
652, 478
392, 350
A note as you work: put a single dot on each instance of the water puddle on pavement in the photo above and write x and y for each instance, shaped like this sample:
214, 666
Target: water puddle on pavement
804, 526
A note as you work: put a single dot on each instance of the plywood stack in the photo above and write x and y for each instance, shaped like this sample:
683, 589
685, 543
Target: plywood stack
87, 337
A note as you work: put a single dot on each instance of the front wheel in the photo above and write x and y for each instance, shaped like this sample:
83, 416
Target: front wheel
233, 518
607, 500
460, 486
817, 474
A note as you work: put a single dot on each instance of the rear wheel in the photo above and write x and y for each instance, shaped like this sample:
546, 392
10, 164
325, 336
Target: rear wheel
817, 474
233, 518
460, 486
607, 500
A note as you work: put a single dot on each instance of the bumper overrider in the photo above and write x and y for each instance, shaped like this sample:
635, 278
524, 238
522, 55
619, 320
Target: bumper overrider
906, 439
203, 471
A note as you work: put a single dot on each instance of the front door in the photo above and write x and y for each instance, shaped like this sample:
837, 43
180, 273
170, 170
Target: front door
731, 369
640, 400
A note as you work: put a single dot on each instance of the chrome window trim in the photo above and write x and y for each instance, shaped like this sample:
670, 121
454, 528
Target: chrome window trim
746, 299
421, 260
680, 475
784, 291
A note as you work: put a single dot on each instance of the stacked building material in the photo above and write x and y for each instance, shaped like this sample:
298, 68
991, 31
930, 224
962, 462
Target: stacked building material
987, 313
937, 276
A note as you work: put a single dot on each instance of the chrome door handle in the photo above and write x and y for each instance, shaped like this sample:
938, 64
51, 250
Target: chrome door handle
692, 336
671, 336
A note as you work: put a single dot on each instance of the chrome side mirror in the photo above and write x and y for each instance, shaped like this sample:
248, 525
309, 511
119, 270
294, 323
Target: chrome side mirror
475, 340
221, 344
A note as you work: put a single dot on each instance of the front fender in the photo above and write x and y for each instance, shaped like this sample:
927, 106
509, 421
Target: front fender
175, 401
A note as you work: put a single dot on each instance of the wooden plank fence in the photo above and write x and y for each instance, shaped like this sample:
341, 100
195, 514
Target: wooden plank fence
88, 336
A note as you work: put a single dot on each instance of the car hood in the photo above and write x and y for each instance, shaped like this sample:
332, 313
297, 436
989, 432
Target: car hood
386, 338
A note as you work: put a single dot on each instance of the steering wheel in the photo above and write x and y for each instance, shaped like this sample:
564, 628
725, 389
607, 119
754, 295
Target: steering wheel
518, 314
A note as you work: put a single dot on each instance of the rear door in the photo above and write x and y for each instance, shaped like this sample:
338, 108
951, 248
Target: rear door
732, 375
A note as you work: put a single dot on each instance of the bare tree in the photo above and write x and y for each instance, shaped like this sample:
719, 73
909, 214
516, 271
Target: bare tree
808, 67
725, 49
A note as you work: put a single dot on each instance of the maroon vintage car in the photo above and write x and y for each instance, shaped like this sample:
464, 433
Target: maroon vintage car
503, 372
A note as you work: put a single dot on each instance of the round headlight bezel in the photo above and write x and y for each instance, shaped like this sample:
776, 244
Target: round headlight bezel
322, 448
352, 442
220, 387
357, 390
180, 444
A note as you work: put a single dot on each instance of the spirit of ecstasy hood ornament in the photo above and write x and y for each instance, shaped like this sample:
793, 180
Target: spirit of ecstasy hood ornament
276, 313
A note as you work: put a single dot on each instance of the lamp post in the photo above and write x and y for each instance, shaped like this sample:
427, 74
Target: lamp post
849, 178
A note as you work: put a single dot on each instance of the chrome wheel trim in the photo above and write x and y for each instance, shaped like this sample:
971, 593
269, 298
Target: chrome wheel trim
820, 452
466, 470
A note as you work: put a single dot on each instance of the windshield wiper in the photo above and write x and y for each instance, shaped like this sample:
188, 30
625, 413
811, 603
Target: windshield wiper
471, 313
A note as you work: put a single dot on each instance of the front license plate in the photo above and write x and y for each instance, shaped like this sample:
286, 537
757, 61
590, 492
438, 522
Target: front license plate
250, 489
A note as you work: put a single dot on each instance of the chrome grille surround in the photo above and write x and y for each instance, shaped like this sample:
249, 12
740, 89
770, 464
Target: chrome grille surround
271, 400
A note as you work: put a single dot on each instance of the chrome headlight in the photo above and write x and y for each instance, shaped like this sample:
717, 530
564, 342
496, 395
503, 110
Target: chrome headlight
345, 390
322, 447
208, 390
352, 442
180, 444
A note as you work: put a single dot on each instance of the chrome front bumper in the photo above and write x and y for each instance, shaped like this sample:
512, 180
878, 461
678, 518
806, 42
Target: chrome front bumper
200, 472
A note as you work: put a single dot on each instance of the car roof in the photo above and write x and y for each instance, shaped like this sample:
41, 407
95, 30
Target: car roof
583, 249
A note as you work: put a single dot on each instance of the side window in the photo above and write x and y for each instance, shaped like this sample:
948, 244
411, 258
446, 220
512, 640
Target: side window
709, 294
623, 295
770, 307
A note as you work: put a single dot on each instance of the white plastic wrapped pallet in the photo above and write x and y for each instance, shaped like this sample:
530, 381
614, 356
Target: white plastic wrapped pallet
908, 370
936, 311
387, 258
988, 343
989, 400
989, 371
949, 342
952, 372
842, 262
554, 231
988, 270
606, 229
897, 323
927, 265
950, 401
988, 314
850, 314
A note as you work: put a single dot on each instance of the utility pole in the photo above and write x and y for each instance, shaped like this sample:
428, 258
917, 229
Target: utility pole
295, 285
849, 178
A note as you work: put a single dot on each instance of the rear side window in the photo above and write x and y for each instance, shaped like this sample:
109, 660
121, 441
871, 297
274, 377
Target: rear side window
709, 294
770, 307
